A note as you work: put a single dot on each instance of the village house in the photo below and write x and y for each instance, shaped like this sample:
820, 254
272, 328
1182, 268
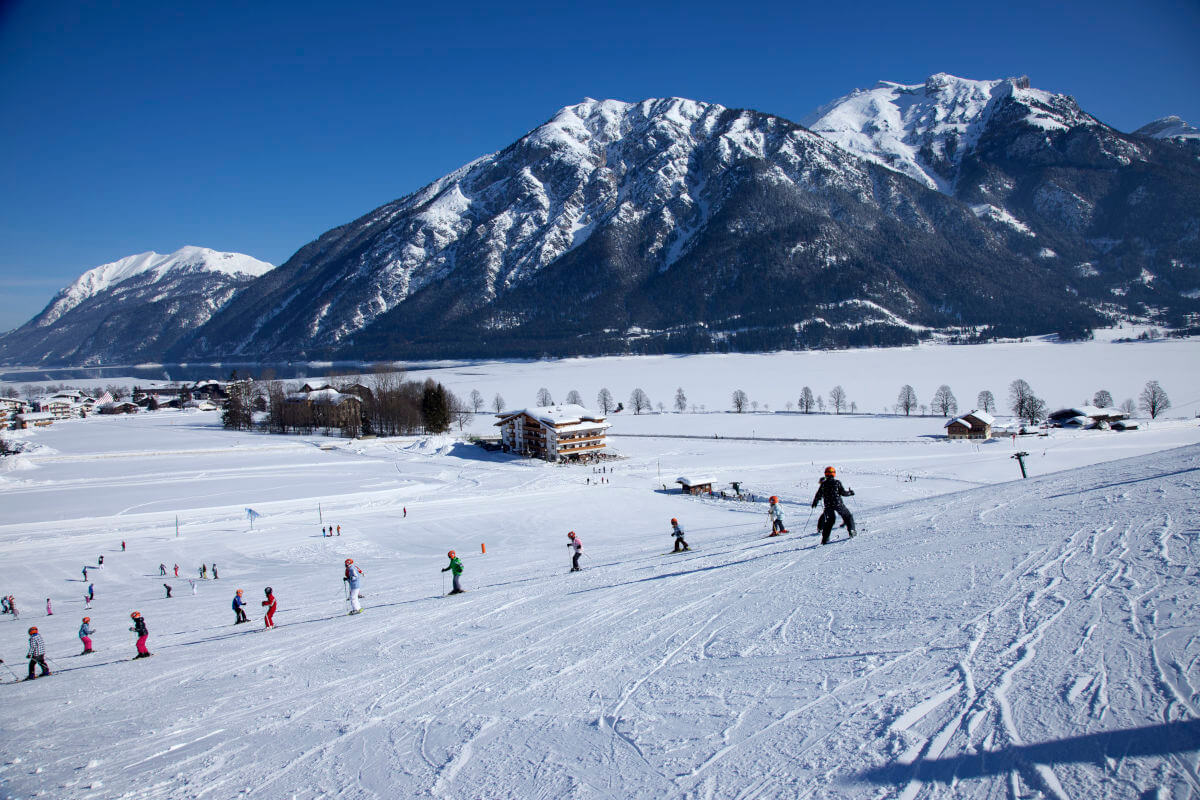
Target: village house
553, 433
324, 408
34, 419
1086, 416
972, 425
695, 485
126, 407
59, 407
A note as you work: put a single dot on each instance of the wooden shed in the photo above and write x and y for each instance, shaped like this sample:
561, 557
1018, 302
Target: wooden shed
695, 485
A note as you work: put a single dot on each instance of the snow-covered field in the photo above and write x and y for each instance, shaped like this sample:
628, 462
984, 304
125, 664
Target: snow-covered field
984, 637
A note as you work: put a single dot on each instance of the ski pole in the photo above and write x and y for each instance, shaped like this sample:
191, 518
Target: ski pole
809, 519
10, 671
443, 582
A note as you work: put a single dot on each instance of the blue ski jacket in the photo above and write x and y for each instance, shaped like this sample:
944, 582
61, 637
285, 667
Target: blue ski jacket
85, 630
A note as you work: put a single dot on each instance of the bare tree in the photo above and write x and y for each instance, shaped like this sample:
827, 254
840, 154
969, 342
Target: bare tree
837, 399
460, 412
574, 397
476, 400
1153, 399
1127, 407
544, 397
944, 402
820, 404
660, 406
985, 401
498, 403
921, 409
754, 405
680, 400
906, 401
605, 400
1024, 403
806, 400
789, 405
1102, 399
739, 400
640, 401
853, 407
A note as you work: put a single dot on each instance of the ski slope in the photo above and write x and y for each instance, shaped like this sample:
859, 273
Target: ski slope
984, 637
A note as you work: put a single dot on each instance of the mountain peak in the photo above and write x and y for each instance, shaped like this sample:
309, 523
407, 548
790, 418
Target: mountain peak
922, 130
152, 266
1171, 127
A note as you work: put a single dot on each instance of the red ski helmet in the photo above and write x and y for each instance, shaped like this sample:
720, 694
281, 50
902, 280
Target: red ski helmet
349, 561
450, 554
674, 521
33, 630
830, 472
87, 619
774, 499
135, 615
570, 534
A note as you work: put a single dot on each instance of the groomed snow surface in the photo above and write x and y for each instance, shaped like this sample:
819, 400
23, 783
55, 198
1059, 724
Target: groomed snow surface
982, 637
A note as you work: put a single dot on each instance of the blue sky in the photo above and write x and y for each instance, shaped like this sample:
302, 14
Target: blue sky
255, 127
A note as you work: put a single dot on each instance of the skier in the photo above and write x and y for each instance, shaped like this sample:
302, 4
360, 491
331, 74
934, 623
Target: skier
100, 561
12, 607
162, 569
353, 577
203, 572
216, 577
405, 512
323, 534
269, 619
239, 609
168, 588
456, 570
49, 609
339, 530
176, 570
85, 574
192, 583
143, 633
87, 602
91, 592
831, 492
122, 545
36, 654
85, 635
677, 532
775, 514
4, 604
576, 543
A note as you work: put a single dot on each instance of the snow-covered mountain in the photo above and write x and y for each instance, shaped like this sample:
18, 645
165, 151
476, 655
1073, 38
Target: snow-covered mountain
661, 224
132, 308
925, 129
1113, 214
1171, 127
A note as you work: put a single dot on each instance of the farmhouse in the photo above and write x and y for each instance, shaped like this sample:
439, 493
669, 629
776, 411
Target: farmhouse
973, 425
695, 485
553, 433
1085, 417
125, 407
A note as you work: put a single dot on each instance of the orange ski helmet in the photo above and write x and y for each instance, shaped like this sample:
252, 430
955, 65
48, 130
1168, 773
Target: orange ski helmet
33, 630
87, 619
239, 592
774, 499
570, 534
349, 561
830, 472
135, 615
674, 521
450, 554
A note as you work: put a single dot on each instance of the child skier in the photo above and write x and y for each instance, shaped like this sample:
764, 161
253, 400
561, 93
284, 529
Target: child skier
168, 588
176, 570
775, 514
831, 492
122, 545
36, 654
100, 561
677, 532
85, 635
85, 574
91, 592
576, 543
216, 577
269, 619
162, 569
4, 604
456, 570
203, 572
49, 609
353, 577
12, 607
143, 633
239, 609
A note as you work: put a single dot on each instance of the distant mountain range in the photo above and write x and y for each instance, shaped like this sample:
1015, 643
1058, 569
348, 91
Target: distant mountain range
978, 207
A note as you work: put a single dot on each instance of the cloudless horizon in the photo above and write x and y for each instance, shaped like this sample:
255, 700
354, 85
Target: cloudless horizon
255, 128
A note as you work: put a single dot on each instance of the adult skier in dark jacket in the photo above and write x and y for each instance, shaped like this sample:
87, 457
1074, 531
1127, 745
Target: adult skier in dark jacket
831, 492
